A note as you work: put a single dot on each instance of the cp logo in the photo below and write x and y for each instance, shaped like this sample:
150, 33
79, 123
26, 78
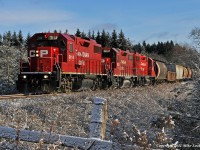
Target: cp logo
32, 53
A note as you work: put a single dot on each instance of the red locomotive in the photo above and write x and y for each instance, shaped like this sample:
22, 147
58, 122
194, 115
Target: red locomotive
62, 62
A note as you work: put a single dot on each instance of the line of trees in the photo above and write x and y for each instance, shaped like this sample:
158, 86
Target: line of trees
159, 48
106, 39
14, 39
119, 40
165, 51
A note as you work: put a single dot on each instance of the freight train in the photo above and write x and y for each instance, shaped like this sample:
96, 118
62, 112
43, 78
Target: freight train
63, 62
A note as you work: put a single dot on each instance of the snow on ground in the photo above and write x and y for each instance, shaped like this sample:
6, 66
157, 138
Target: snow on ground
147, 109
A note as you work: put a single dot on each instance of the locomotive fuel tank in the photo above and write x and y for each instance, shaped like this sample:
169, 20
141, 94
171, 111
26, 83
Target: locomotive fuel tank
126, 83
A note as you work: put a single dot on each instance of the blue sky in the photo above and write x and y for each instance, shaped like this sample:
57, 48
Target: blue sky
149, 20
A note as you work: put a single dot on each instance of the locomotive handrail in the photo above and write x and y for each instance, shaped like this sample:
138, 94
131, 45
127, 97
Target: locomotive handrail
160, 61
46, 57
112, 65
21, 66
59, 57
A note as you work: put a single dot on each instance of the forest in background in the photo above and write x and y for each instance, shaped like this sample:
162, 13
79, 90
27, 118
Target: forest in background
13, 47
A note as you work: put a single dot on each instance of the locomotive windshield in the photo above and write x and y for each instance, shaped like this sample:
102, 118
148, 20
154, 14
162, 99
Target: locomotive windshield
106, 53
45, 41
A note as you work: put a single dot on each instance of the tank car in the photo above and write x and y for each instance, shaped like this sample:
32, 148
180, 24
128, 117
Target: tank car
160, 70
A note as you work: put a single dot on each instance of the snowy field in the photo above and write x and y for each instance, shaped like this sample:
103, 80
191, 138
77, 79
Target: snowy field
150, 116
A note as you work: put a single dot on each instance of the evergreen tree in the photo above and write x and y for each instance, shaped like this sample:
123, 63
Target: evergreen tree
93, 35
83, 35
89, 34
104, 39
148, 48
14, 39
129, 45
78, 33
20, 38
122, 41
167, 48
108, 43
137, 48
144, 44
114, 39
160, 47
98, 38
154, 48
1, 40
172, 44
26, 40
66, 31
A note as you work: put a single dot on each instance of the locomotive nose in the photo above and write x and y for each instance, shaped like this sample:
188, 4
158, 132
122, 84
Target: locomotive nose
41, 59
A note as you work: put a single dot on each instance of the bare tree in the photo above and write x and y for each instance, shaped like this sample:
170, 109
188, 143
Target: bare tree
195, 36
9, 68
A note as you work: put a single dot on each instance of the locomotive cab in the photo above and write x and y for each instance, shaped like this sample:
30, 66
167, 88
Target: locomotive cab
60, 62
43, 58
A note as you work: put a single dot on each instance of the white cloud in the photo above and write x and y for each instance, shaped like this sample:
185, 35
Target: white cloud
105, 26
17, 17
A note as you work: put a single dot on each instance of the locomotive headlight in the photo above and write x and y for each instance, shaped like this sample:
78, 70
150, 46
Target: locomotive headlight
45, 76
24, 76
37, 51
37, 55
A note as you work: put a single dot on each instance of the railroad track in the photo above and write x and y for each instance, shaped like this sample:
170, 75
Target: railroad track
17, 96
13, 96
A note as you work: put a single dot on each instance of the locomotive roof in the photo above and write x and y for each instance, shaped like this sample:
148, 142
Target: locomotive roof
68, 37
